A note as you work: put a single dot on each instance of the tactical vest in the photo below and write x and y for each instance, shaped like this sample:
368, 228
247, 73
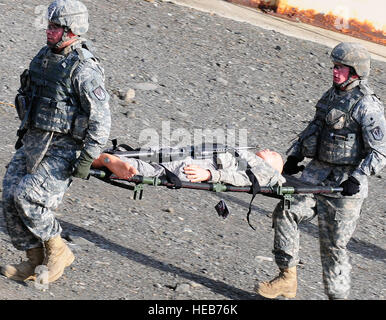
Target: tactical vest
340, 140
54, 105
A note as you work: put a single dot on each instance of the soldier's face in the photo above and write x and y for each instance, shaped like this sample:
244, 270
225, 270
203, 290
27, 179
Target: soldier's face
340, 73
54, 34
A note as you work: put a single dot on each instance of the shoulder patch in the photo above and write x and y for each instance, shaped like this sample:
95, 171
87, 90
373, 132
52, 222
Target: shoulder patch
100, 93
377, 133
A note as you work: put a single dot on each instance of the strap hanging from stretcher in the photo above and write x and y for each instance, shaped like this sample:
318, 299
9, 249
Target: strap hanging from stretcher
172, 178
255, 190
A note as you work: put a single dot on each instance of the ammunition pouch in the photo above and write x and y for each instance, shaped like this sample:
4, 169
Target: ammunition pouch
340, 149
341, 140
25, 80
51, 115
336, 119
22, 100
21, 104
58, 116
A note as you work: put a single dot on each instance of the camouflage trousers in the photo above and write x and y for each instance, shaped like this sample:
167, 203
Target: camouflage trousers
337, 220
29, 199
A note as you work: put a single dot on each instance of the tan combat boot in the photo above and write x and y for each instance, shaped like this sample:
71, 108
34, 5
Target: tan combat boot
25, 270
285, 284
58, 257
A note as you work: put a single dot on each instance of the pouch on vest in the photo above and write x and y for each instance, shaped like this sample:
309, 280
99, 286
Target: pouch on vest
336, 119
51, 115
25, 81
21, 104
340, 150
21, 99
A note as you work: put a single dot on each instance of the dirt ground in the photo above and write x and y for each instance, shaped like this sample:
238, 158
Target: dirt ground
185, 70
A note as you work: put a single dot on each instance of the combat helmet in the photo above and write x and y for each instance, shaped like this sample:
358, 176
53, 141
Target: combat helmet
354, 55
70, 14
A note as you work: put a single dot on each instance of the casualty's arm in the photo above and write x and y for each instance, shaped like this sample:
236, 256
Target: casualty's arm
237, 176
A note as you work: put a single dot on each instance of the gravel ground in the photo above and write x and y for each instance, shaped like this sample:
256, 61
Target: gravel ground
194, 71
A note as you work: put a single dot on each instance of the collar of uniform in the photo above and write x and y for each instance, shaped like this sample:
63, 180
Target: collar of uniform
76, 44
353, 84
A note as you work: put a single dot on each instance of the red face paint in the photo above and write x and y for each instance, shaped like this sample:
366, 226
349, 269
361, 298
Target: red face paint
54, 34
341, 73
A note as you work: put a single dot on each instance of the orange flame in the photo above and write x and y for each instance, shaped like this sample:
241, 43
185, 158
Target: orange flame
353, 27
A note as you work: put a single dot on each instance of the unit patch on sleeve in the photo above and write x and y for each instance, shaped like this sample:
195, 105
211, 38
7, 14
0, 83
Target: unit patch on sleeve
100, 93
377, 133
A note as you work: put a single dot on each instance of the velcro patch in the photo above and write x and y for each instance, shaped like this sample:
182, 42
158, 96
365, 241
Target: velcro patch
100, 93
377, 133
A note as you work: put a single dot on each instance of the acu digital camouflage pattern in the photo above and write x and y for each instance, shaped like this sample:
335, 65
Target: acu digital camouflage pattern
69, 13
29, 199
354, 55
360, 144
40, 171
225, 168
337, 220
357, 117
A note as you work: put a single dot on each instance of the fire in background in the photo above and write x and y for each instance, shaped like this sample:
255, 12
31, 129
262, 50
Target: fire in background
363, 19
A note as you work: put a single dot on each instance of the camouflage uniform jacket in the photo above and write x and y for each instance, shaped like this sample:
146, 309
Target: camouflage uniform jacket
232, 170
87, 86
224, 167
367, 115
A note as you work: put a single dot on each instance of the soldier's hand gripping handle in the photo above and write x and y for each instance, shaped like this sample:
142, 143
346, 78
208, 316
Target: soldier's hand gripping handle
82, 165
350, 186
291, 165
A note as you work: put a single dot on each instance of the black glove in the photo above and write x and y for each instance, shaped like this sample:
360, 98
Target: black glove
350, 186
291, 165
82, 165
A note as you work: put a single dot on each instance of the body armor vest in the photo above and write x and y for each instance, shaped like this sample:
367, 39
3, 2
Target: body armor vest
340, 140
54, 105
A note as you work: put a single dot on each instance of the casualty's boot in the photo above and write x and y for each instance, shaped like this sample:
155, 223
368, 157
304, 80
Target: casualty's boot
58, 256
285, 284
25, 270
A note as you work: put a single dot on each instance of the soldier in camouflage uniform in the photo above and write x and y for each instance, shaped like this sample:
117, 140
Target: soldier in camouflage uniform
65, 117
265, 165
346, 142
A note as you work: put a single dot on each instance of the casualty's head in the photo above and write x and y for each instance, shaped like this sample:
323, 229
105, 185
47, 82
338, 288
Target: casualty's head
351, 62
273, 158
66, 19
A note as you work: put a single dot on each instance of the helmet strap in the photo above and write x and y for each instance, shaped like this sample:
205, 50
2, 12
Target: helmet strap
67, 36
351, 78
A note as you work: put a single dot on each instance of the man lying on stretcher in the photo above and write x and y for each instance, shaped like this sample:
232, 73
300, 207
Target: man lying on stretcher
266, 166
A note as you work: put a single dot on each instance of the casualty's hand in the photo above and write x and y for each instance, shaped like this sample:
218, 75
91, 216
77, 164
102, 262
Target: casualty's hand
195, 173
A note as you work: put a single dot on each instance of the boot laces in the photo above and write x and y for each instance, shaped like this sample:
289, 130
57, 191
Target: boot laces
278, 278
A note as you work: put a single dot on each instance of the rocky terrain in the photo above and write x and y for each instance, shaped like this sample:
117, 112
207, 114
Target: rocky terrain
172, 67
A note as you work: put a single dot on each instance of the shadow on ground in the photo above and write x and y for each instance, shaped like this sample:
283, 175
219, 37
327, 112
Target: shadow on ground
365, 249
216, 286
